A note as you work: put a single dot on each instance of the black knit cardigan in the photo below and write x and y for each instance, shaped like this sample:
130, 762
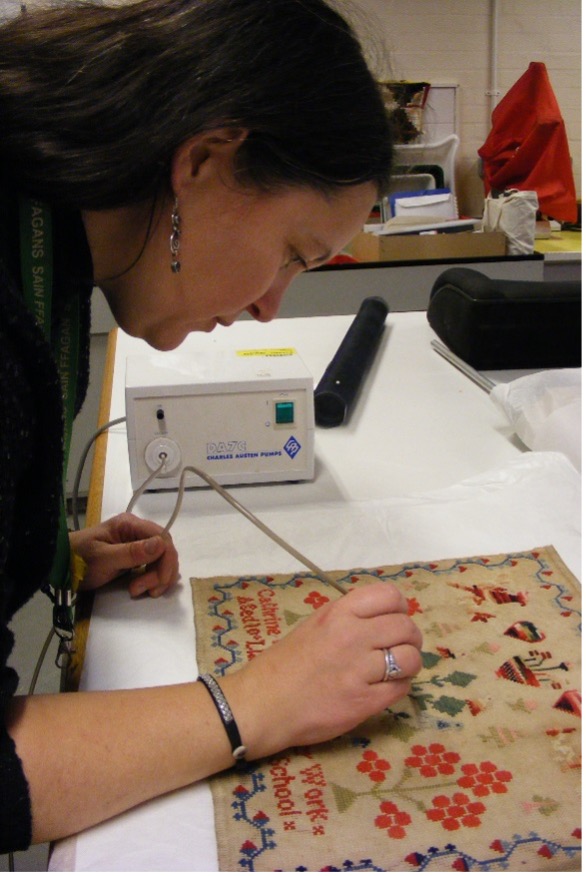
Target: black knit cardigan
31, 464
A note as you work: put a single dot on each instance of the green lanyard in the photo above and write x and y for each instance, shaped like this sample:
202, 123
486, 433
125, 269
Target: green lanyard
36, 262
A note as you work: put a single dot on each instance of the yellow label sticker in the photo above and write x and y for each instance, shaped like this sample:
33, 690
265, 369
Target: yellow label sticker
275, 351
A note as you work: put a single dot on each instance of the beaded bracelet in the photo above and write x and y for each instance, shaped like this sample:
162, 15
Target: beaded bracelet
225, 713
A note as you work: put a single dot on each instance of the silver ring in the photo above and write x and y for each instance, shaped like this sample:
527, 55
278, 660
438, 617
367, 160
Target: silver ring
392, 668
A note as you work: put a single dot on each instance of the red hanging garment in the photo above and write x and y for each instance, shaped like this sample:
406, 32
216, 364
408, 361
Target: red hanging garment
527, 147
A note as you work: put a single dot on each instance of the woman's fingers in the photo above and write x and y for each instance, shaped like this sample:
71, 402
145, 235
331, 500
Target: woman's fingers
372, 600
403, 663
388, 630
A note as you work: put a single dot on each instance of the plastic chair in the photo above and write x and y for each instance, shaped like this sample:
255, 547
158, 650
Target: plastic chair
441, 153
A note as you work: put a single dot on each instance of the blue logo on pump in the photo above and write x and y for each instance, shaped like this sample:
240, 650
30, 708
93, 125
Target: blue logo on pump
292, 447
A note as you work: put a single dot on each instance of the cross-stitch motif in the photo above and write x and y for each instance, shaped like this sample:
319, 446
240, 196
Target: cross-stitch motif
478, 769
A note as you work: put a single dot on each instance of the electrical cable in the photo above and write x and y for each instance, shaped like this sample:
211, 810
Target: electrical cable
228, 497
76, 526
181, 490
139, 492
144, 486
253, 519
75, 516
40, 661
80, 466
212, 483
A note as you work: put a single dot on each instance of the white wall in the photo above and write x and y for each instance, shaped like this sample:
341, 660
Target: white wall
450, 41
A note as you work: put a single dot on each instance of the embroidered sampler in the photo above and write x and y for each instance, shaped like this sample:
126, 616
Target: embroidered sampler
478, 769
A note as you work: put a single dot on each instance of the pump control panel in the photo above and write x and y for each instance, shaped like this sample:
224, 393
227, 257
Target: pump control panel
243, 416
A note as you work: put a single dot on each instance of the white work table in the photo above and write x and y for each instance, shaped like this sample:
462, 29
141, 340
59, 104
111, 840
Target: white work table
426, 468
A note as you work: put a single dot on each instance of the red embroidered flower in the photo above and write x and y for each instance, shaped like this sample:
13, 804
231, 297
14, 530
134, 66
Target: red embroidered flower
316, 599
484, 779
413, 606
456, 812
392, 819
374, 766
432, 760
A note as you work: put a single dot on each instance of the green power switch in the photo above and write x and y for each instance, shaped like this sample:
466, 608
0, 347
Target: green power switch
284, 412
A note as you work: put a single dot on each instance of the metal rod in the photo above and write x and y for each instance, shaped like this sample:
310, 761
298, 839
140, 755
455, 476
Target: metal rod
484, 382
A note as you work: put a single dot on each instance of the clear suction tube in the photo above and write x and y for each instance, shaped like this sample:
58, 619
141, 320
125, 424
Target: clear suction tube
338, 389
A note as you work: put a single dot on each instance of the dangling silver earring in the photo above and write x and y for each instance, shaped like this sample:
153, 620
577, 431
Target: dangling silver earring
175, 238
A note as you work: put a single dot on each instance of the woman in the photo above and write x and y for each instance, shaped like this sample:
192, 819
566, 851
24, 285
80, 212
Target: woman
190, 157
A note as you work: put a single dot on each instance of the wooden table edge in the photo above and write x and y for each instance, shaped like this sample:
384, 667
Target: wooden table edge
71, 675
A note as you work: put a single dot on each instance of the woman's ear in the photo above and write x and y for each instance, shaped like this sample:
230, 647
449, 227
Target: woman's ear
209, 152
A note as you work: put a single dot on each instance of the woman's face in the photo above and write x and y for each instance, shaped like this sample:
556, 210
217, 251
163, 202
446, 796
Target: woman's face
239, 251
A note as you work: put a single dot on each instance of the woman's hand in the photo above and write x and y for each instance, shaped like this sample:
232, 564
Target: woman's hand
321, 680
326, 676
124, 543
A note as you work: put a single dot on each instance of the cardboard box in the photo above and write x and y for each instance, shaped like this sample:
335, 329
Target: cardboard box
421, 247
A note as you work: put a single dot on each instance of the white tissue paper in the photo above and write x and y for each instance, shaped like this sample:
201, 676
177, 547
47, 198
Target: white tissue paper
545, 410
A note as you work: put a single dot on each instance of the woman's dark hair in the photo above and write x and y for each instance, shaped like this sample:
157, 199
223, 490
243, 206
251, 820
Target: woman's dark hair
95, 99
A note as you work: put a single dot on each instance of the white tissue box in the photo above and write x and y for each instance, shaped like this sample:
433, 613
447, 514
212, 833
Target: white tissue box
430, 204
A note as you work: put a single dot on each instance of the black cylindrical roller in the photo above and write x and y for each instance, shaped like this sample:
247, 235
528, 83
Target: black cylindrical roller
337, 390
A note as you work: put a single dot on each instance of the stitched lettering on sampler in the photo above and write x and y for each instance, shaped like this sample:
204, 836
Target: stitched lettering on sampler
478, 769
